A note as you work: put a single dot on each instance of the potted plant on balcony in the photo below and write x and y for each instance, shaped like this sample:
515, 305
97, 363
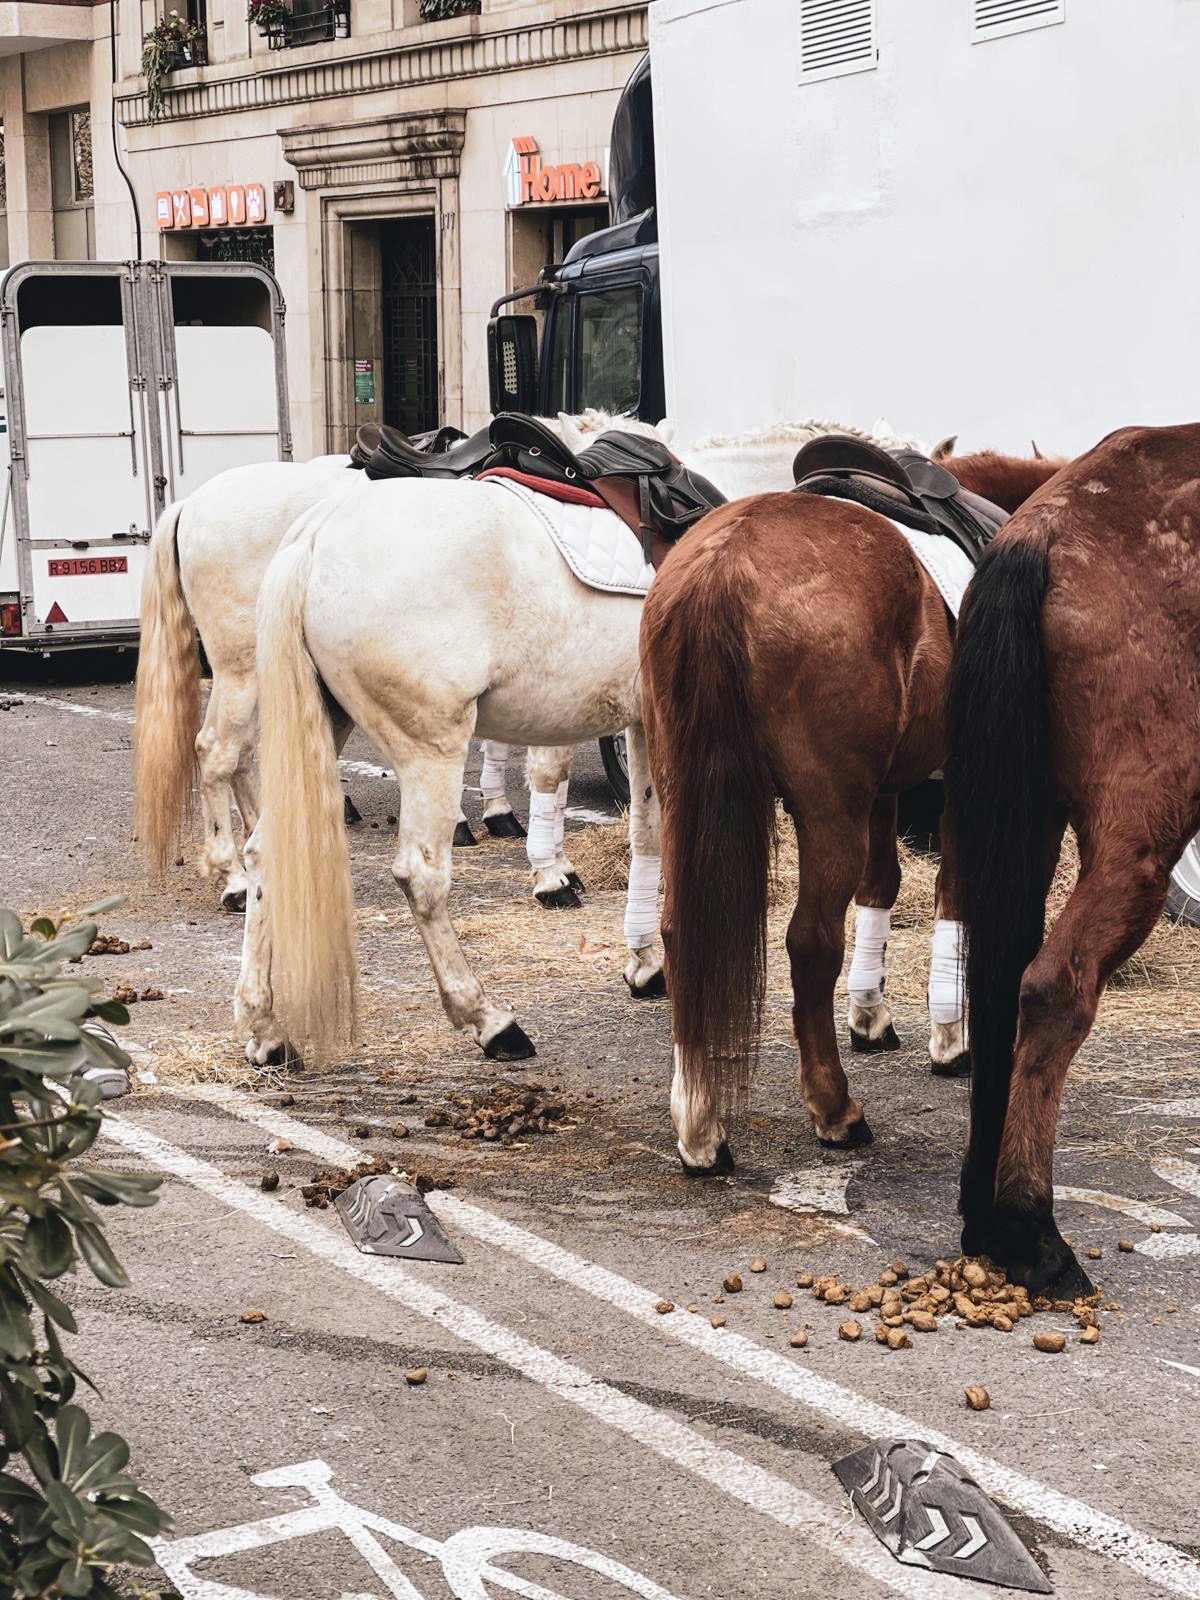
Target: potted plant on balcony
170, 43
440, 10
271, 18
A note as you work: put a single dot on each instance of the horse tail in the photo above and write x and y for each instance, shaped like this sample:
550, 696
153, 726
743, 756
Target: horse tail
999, 792
306, 862
166, 699
718, 815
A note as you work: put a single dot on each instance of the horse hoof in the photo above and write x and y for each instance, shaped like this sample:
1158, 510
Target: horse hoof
352, 813
280, 1056
863, 1045
511, 1044
655, 987
958, 1066
563, 898
575, 881
234, 900
504, 825
463, 835
858, 1133
721, 1167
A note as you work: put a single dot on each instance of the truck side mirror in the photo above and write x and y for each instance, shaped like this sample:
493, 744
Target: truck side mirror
513, 364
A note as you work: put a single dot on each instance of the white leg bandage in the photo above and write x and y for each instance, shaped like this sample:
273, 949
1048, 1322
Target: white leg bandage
641, 905
867, 970
945, 973
491, 779
543, 809
560, 817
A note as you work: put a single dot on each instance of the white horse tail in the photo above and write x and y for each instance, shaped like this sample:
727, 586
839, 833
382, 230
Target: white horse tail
306, 861
167, 699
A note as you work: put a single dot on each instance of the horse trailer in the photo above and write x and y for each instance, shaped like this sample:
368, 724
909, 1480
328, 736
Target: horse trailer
126, 386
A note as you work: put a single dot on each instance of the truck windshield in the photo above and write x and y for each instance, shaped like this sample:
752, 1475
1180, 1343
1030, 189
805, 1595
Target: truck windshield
609, 344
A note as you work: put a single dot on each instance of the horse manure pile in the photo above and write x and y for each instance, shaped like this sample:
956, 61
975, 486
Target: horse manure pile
974, 1293
505, 1113
327, 1184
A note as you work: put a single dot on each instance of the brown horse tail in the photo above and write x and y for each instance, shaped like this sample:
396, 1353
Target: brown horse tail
718, 811
166, 700
998, 789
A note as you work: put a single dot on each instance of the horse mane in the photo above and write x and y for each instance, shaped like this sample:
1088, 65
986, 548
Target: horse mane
1007, 481
778, 433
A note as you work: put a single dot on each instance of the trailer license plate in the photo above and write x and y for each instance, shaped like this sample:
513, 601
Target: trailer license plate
88, 566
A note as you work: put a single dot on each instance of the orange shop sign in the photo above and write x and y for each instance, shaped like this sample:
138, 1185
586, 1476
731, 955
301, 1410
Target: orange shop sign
236, 205
530, 183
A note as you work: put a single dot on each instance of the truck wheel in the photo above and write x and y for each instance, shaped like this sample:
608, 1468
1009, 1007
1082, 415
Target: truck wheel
616, 767
1183, 895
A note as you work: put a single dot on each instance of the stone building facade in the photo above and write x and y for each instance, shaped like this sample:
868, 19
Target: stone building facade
377, 173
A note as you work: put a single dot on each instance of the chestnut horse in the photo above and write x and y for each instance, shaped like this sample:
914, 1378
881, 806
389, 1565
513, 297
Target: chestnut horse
1072, 699
792, 645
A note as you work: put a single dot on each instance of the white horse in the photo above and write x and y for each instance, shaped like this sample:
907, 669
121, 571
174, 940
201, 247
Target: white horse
426, 613
208, 556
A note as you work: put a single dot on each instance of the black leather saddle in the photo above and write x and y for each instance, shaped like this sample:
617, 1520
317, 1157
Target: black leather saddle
902, 484
384, 452
635, 476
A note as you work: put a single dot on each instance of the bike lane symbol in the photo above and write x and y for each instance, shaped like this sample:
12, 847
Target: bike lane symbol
466, 1557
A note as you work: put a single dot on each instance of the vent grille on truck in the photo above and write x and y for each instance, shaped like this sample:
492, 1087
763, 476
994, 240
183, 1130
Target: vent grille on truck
836, 36
995, 18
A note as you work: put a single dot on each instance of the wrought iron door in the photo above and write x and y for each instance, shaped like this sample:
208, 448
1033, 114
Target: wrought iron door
408, 272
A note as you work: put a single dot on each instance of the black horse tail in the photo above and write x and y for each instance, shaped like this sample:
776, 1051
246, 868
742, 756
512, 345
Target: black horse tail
999, 794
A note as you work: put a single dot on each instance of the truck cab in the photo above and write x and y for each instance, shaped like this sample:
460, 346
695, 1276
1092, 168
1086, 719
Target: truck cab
601, 333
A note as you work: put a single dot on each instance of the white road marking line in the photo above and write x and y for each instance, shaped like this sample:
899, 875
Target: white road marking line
1169, 1246
815, 1521
1093, 1530
70, 705
1139, 1210
1162, 1108
1180, 1366
355, 769
1184, 1175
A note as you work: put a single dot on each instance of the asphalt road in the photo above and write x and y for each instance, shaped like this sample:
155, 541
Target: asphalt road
609, 1447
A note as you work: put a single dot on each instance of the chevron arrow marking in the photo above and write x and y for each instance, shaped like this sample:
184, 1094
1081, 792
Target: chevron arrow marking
876, 1471
415, 1235
893, 1510
941, 1530
976, 1540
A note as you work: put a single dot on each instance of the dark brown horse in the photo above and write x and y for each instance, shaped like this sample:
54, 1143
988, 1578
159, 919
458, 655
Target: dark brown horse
792, 645
1073, 699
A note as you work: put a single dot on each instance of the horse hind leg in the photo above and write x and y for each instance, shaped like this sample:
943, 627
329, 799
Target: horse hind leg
218, 751
498, 816
833, 850
549, 769
644, 971
431, 784
1116, 902
870, 1019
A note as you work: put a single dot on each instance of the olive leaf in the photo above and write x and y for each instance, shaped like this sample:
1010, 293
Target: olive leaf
70, 1515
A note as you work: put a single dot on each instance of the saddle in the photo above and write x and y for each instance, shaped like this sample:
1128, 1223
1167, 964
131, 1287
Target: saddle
902, 484
638, 478
384, 452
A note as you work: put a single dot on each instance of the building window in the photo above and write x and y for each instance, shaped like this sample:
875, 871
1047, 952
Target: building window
71, 189
256, 245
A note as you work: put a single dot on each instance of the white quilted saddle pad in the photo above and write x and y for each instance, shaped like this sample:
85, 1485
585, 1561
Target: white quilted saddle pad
600, 549
948, 566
